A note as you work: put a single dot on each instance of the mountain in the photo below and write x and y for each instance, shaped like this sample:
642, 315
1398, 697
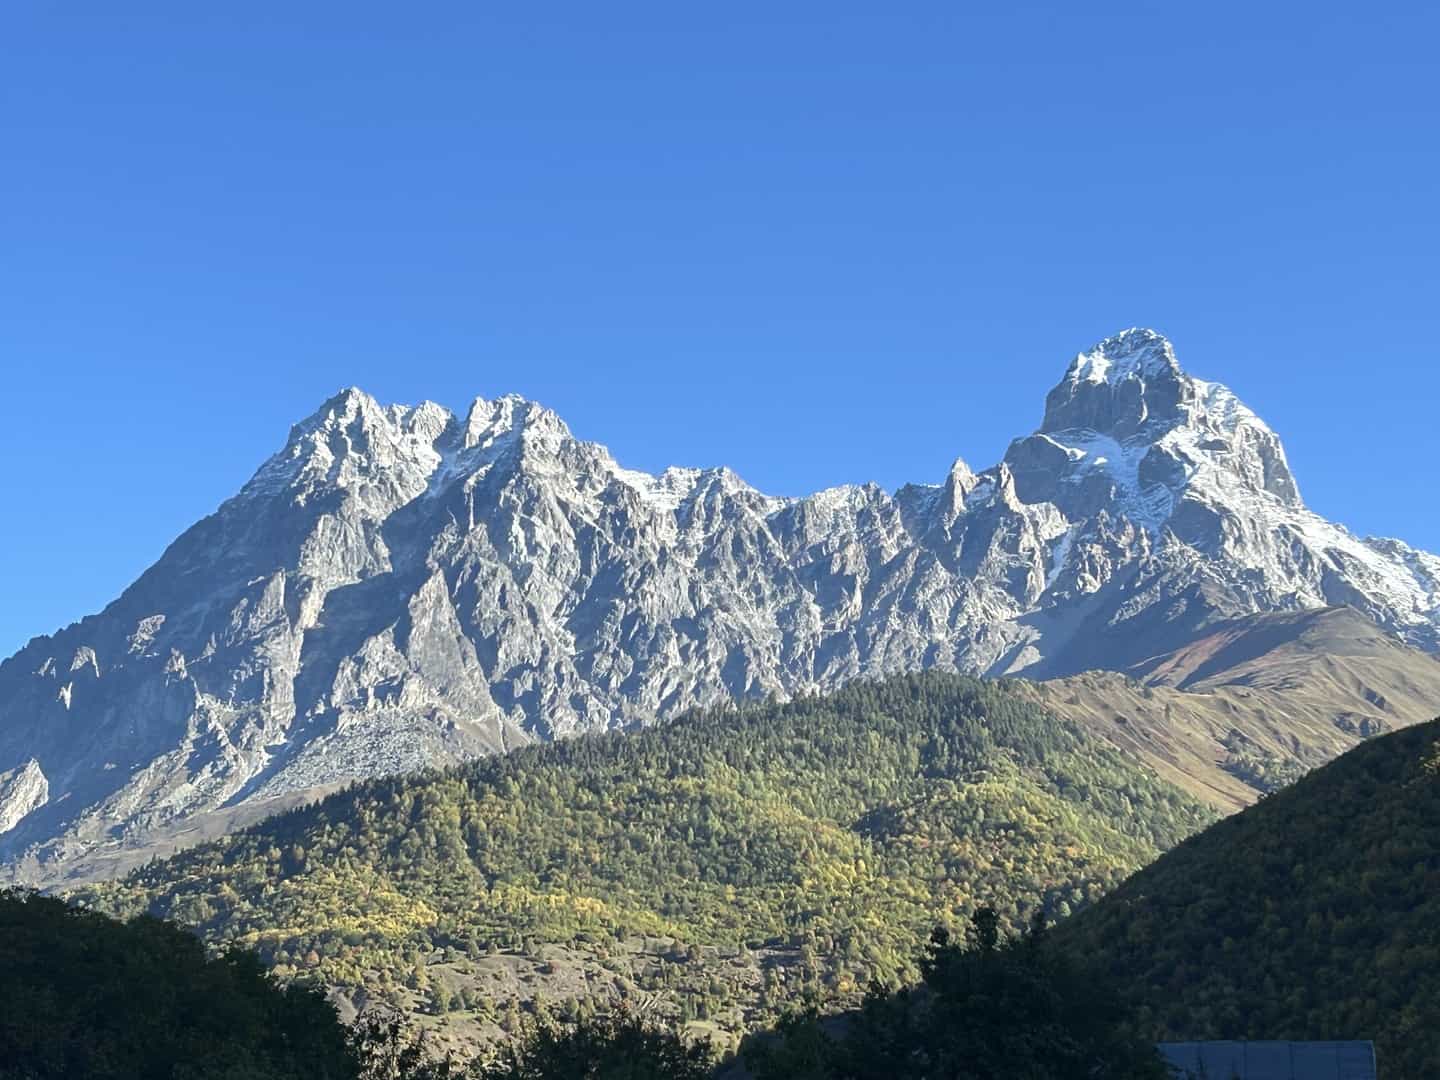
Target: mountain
713, 868
400, 587
1312, 915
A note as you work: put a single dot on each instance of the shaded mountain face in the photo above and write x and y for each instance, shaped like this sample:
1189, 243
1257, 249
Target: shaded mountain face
400, 586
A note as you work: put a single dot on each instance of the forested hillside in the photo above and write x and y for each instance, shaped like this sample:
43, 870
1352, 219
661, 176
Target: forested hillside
1313, 915
714, 868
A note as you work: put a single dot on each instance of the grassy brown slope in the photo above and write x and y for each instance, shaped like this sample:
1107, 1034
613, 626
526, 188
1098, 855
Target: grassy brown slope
1255, 703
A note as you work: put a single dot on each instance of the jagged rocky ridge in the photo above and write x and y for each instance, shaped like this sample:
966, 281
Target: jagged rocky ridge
399, 587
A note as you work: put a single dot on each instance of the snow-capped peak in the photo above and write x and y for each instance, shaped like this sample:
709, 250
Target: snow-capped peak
490, 419
351, 438
1127, 429
1132, 353
1119, 386
339, 410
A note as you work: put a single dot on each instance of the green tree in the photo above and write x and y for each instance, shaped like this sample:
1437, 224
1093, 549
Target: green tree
620, 1046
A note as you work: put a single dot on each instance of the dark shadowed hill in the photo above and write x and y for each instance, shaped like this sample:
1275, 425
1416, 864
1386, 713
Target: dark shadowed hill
1313, 915
82, 995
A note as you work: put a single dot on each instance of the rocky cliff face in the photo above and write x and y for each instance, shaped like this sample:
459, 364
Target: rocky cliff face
400, 587
22, 790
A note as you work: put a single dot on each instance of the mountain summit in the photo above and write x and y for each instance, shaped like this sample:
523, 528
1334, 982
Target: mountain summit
1127, 413
398, 586
1119, 386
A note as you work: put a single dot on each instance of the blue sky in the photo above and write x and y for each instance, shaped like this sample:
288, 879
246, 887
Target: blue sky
817, 242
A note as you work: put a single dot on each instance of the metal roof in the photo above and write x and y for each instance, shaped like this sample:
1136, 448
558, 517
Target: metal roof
1272, 1060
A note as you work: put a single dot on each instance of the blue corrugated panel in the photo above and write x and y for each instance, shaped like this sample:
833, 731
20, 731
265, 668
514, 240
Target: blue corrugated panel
1357, 1061
1223, 1060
